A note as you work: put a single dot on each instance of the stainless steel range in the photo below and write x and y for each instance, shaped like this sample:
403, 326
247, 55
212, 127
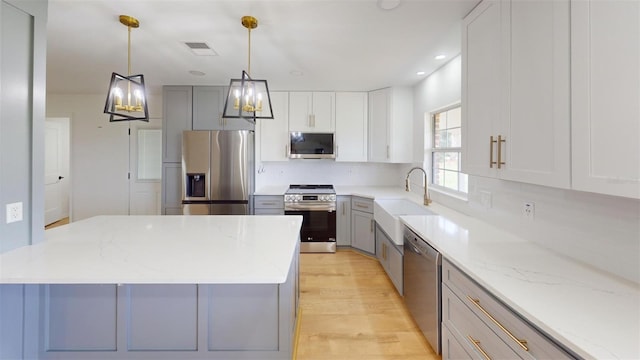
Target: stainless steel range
317, 206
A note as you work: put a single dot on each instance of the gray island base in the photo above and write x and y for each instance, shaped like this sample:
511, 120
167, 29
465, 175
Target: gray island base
250, 314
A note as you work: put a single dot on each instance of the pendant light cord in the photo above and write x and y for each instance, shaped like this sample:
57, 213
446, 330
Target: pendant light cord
249, 54
129, 51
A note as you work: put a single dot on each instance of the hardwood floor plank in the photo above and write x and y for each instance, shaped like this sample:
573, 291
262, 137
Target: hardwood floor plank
351, 310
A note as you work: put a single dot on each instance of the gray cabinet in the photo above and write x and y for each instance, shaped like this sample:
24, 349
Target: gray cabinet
481, 326
268, 205
343, 221
208, 105
169, 321
390, 257
176, 105
362, 225
171, 189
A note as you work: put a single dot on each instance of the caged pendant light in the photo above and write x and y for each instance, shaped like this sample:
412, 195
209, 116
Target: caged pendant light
248, 98
126, 99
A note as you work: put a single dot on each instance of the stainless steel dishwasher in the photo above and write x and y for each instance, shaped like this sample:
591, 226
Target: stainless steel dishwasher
422, 275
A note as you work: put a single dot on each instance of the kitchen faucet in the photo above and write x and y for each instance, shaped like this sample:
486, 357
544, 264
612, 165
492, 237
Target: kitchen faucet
427, 201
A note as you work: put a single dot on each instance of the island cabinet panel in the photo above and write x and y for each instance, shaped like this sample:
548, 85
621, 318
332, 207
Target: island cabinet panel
162, 317
80, 318
253, 311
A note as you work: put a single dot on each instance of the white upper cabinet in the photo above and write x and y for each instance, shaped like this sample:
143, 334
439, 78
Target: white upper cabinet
391, 125
605, 85
312, 111
351, 126
273, 134
515, 91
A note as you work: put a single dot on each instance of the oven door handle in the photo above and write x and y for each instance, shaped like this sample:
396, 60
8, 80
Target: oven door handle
330, 207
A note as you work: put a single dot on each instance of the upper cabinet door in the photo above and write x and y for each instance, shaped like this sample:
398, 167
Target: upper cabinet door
273, 135
312, 111
515, 92
536, 127
482, 86
379, 108
208, 103
351, 126
605, 85
176, 103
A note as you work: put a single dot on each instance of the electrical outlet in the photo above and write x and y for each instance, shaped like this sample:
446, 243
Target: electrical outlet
529, 210
485, 199
14, 212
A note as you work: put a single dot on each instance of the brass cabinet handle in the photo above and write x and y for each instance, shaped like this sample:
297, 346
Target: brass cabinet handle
384, 251
387, 151
361, 206
491, 142
286, 150
372, 225
522, 343
312, 120
343, 206
268, 203
500, 141
476, 344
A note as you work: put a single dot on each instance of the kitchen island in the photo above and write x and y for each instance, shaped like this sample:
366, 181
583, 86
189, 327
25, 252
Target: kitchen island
161, 287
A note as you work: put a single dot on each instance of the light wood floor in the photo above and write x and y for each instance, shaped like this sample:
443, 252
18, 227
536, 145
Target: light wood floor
57, 223
351, 310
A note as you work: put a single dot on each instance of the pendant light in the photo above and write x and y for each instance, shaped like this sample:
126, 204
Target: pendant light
248, 98
127, 96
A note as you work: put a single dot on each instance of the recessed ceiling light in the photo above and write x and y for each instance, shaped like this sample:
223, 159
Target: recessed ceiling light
388, 4
196, 73
420, 73
440, 57
296, 73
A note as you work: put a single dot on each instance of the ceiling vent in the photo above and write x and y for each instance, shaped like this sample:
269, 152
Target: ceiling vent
201, 49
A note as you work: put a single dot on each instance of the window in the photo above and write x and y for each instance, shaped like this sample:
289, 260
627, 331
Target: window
445, 152
149, 154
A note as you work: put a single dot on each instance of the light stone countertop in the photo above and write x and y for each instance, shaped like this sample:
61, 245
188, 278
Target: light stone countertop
593, 313
159, 250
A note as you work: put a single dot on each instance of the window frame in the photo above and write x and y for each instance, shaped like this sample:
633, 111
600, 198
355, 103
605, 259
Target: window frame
430, 151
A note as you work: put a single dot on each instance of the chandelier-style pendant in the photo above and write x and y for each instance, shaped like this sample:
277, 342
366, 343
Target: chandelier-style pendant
127, 95
126, 100
248, 98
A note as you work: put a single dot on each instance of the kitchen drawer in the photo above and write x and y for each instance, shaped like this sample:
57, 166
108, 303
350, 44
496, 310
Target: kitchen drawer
451, 346
472, 333
268, 202
500, 318
362, 204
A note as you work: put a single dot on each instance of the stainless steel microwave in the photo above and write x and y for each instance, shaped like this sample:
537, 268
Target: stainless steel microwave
304, 145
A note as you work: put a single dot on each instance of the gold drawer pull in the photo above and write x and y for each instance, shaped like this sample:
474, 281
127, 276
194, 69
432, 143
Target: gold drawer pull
491, 142
476, 344
361, 206
499, 143
522, 343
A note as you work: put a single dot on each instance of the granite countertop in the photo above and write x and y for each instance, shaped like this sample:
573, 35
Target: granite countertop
159, 249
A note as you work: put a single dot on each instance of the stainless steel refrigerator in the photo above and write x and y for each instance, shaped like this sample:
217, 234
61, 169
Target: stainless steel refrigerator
217, 172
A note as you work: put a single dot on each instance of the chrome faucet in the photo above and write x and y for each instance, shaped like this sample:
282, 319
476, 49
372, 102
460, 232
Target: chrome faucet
427, 201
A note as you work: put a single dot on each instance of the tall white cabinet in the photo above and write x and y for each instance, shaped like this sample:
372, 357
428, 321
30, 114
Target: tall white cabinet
605, 98
351, 126
273, 134
515, 91
391, 125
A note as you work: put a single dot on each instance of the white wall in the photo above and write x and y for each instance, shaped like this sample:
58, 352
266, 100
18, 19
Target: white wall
99, 153
601, 231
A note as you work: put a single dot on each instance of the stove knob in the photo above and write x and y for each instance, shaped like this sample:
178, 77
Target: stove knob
332, 198
298, 197
323, 198
287, 197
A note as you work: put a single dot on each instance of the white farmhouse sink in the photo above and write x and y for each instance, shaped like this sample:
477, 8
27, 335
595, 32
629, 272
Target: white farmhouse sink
387, 211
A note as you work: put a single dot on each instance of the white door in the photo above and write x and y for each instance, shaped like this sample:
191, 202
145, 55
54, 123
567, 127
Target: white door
54, 172
145, 169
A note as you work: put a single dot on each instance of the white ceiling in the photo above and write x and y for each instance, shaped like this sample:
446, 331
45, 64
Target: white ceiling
336, 45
